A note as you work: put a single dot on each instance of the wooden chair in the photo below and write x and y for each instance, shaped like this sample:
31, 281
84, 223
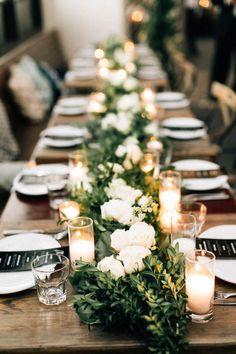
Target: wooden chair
184, 72
226, 99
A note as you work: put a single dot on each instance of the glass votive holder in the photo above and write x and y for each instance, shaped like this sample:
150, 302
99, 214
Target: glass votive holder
69, 210
200, 284
58, 192
183, 232
150, 162
50, 273
78, 158
199, 210
169, 190
81, 240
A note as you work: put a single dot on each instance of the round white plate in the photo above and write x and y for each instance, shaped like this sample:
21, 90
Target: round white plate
69, 102
82, 62
182, 122
174, 104
13, 282
224, 269
65, 131
40, 170
170, 96
184, 134
70, 111
62, 143
195, 165
81, 75
204, 184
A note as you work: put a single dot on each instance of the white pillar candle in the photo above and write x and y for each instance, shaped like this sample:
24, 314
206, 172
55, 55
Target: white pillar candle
148, 96
185, 244
69, 210
200, 291
82, 250
75, 175
169, 199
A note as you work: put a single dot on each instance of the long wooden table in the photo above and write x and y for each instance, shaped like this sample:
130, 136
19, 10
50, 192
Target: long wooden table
26, 326
199, 148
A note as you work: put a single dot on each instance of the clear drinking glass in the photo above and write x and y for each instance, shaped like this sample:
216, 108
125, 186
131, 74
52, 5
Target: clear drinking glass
57, 187
200, 284
50, 274
183, 232
199, 210
81, 240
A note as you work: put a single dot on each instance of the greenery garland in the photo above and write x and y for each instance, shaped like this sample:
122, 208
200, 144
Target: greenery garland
150, 297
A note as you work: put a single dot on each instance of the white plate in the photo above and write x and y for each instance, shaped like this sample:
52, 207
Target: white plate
62, 143
170, 96
68, 102
204, 184
184, 134
182, 122
40, 170
195, 165
80, 75
82, 63
224, 269
65, 131
13, 282
69, 111
174, 104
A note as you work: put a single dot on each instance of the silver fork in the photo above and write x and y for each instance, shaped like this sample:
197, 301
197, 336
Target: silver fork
221, 296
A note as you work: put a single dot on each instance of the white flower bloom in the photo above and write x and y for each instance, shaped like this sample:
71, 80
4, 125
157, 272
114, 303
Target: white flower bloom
152, 129
142, 234
108, 121
143, 201
131, 83
118, 210
122, 57
113, 265
123, 123
120, 239
130, 102
117, 168
120, 151
127, 164
132, 258
134, 153
118, 189
131, 140
116, 77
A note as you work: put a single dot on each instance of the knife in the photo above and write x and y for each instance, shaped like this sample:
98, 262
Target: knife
224, 302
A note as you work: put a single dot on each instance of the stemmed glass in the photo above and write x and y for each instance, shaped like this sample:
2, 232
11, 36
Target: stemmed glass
199, 210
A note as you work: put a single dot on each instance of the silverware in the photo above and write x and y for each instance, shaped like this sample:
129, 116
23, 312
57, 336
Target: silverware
54, 234
220, 295
206, 196
221, 302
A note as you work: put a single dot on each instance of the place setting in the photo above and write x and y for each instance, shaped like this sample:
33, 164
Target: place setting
183, 128
171, 100
71, 106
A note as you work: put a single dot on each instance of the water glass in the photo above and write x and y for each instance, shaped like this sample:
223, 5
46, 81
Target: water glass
57, 187
169, 190
81, 240
199, 210
50, 273
200, 284
183, 232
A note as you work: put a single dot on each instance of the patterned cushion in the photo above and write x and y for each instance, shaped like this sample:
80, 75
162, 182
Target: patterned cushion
9, 149
8, 172
30, 89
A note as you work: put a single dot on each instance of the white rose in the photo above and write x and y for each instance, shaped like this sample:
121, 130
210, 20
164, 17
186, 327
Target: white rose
118, 189
131, 83
142, 234
152, 129
120, 239
129, 102
127, 164
123, 123
131, 140
132, 258
120, 151
116, 77
117, 168
143, 201
110, 264
118, 210
134, 153
109, 121
122, 57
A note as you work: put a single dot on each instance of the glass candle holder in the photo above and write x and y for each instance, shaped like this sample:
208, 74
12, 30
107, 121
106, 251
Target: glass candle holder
183, 232
199, 210
69, 210
148, 96
78, 166
81, 240
200, 284
169, 190
150, 162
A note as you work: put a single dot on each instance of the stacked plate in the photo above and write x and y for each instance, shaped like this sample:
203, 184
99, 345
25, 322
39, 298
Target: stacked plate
80, 62
81, 74
151, 72
183, 128
172, 100
200, 175
71, 106
63, 136
32, 181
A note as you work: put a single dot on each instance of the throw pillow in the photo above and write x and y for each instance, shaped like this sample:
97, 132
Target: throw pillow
53, 78
9, 149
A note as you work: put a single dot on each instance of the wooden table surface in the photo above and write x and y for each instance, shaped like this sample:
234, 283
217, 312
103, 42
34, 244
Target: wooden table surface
199, 148
27, 326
